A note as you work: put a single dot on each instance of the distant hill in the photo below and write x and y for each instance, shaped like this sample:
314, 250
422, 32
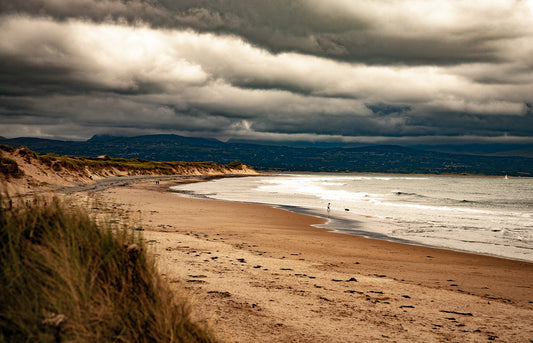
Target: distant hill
485, 149
492, 149
377, 158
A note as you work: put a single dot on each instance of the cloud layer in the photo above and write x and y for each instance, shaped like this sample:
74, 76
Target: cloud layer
370, 71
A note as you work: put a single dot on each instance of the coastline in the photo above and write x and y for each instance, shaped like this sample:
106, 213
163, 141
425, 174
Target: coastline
413, 216
356, 228
267, 274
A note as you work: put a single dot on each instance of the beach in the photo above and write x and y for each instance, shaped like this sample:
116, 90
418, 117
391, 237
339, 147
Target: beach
261, 274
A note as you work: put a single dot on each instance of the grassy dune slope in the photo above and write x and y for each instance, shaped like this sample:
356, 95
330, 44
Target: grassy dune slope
65, 278
23, 171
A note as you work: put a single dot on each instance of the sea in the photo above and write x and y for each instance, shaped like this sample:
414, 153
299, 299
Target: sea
483, 215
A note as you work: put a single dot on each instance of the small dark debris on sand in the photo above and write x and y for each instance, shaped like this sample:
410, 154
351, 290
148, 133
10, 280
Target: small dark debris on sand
220, 294
459, 313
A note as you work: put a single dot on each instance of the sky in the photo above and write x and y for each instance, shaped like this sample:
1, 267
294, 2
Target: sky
383, 71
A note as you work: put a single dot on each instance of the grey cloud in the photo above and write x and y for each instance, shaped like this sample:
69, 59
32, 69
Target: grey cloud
360, 35
129, 115
297, 26
95, 10
333, 30
258, 69
115, 112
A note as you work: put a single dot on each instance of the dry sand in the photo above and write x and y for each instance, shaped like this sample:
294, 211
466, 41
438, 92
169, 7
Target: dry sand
262, 274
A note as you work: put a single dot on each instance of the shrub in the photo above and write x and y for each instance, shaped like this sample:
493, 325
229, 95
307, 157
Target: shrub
56, 166
235, 165
46, 159
7, 148
26, 153
9, 168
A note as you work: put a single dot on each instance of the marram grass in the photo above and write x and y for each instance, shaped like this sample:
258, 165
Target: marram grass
65, 278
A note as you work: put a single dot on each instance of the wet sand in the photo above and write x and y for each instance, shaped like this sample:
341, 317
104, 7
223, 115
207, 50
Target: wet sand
262, 274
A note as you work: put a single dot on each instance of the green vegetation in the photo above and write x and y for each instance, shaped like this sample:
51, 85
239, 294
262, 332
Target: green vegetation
65, 278
134, 166
83, 165
101, 166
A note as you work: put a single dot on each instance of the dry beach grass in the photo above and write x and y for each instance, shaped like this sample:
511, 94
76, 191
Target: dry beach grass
65, 278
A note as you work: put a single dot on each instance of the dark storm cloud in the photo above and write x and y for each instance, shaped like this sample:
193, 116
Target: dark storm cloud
95, 10
305, 69
371, 32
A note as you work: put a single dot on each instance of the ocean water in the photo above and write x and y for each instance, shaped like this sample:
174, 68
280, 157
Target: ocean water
483, 215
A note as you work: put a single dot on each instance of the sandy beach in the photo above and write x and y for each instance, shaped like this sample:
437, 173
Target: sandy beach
261, 274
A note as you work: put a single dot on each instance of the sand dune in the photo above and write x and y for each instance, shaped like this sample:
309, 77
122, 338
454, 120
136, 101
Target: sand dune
25, 173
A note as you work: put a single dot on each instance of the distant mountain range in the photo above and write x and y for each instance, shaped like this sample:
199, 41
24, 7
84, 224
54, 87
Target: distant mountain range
442, 159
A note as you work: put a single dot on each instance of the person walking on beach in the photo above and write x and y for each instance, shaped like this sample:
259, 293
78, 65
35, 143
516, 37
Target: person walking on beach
329, 209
